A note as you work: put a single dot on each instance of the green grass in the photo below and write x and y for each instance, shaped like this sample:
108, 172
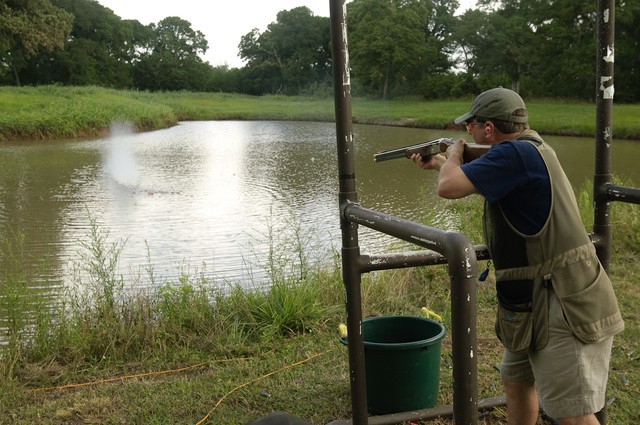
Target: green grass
189, 351
50, 112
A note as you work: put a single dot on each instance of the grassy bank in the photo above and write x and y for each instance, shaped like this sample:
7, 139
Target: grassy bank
184, 352
50, 112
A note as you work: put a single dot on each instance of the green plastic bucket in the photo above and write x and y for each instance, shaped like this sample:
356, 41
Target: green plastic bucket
402, 362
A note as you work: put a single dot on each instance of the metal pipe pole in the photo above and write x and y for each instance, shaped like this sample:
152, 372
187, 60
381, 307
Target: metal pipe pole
604, 134
629, 195
401, 260
351, 272
604, 128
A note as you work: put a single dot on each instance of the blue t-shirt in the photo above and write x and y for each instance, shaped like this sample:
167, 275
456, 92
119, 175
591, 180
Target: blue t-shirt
514, 174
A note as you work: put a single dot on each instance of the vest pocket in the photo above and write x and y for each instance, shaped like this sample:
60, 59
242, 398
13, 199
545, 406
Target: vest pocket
514, 326
591, 311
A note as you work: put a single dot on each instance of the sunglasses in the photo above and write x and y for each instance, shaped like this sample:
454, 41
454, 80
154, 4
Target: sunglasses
474, 121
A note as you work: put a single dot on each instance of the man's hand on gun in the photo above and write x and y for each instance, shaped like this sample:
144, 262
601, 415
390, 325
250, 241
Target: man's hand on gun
434, 162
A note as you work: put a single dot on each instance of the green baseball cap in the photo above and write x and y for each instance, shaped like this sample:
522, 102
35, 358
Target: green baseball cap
498, 103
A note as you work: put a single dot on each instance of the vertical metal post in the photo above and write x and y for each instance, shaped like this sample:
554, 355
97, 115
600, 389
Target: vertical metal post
604, 134
351, 272
464, 328
604, 130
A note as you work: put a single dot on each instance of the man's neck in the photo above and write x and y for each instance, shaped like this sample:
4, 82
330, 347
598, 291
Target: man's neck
498, 137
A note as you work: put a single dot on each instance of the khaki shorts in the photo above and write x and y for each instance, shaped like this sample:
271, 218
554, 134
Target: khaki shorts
570, 376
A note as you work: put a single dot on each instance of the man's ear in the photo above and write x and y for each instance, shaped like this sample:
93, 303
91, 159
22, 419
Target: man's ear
488, 128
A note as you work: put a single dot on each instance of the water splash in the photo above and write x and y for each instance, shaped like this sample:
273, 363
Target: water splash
120, 160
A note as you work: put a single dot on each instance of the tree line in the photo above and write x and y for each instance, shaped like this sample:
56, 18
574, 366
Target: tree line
397, 48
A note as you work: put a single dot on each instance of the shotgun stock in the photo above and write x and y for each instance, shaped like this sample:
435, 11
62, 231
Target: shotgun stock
432, 147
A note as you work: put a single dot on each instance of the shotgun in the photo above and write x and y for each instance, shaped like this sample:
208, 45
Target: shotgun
432, 147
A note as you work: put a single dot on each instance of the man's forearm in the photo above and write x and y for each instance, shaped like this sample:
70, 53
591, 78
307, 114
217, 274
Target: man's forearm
452, 182
454, 160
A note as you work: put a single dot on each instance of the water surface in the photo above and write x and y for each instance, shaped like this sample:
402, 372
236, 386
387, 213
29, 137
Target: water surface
219, 198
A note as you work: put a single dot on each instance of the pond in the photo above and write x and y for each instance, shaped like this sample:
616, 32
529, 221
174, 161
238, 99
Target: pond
221, 199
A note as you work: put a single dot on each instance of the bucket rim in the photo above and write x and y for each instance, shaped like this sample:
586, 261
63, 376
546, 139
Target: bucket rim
403, 345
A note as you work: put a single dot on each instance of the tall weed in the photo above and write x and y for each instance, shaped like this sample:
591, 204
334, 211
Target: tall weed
292, 302
12, 302
23, 303
625, 219
100, 319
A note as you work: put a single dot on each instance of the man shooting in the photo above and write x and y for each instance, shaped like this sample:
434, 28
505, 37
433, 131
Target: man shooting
557, 312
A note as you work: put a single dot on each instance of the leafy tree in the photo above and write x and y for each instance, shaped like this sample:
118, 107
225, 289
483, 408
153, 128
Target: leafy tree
566, 48
262, 78
548, 43
263, 72
96, 53
627, 48
224, 79
171, 59
142, 37
467, 47
437, 26
498, 40
306, 59
104, 50
291, 56
398, 42
28, 27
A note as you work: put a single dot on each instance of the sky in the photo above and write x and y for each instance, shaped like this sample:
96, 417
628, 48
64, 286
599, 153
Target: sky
222, 23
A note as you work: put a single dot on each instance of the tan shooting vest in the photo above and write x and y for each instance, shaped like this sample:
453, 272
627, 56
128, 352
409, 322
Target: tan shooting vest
561, 257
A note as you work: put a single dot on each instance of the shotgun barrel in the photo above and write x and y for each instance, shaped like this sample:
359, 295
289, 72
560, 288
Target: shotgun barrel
432, 147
